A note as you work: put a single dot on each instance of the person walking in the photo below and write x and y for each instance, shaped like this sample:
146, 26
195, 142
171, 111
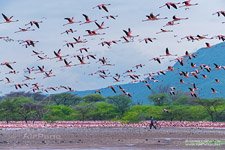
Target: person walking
152, 123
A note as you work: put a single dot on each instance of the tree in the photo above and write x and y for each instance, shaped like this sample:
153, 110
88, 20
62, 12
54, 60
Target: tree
93, 98
67, 99
37, 96
83, 110
213, 107
60, 112
159, 99
103, 111
121, 102
8, 110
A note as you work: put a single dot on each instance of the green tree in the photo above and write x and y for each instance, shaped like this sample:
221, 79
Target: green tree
159, 99
67, 99
213, 107
103, 111
83, 110
60, 112
93, 98
121, 102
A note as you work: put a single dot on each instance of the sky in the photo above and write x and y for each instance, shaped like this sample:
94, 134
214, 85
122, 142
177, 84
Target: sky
124, 55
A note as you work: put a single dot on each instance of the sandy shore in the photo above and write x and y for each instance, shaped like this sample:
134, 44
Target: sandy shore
112, 138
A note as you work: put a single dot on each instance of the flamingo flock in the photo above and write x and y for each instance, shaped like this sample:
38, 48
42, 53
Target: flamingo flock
81, 31
110, 124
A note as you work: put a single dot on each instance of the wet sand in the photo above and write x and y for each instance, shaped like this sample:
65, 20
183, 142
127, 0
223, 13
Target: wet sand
110, 138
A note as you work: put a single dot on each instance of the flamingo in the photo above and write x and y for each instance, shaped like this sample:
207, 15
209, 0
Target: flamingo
93, 33
69, 31
218, 13
187, 3
178, 19
87, 20
163, 31
167, 53
169, 5
8, 20
129, 33
70, 21
171, 23
101, 26
102, 6
153, 17
111, 17
24, 30
67, 64
112, 88
147, 40
36, 23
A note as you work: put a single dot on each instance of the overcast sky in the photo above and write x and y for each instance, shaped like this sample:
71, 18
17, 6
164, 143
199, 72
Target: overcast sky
124, 56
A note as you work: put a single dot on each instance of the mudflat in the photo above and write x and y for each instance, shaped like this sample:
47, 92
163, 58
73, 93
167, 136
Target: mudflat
112, 138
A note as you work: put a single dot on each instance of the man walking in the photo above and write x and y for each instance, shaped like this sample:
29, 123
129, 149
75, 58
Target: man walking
152, 123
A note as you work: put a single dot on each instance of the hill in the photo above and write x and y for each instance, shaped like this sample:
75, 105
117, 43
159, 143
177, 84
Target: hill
204, 57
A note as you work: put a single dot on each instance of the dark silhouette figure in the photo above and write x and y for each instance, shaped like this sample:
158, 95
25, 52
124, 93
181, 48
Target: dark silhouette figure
152, 123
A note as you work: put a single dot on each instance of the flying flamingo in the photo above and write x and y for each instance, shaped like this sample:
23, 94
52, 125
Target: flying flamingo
101, 26
24, 30
167, 53
8, 20
170, 4
147, 40
163, 31
102, 6
187, 3
69, 31
70, 21
68, 64
36, 23
92, 33
218, 13
171, 23
178, 19
87, 20
129, 33
110, 16
153, 17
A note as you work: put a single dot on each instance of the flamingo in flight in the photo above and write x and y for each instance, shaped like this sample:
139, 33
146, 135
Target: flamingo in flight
101, 26
129, 33
67, 64
102, 6
111, 17
8, 64
8, 20
164, 31
147, 40
93, 33
178, 19
153, 17
70, 21
87, 20
24, 30
219, 13
69, 31
36, 23
167, 53
169, 5
187, 3
171, 23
